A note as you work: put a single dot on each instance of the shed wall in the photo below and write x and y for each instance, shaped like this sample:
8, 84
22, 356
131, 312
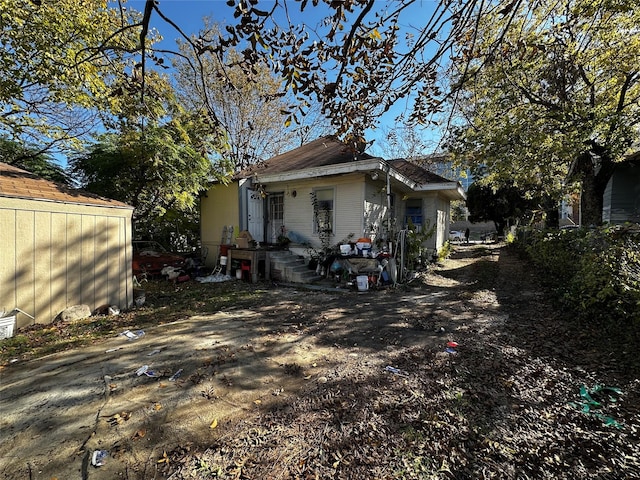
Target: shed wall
56, 255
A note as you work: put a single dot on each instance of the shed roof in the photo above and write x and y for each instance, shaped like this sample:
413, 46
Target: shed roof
18, 183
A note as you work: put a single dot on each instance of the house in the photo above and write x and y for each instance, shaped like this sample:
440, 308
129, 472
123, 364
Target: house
621, 200
60, 247
324, 192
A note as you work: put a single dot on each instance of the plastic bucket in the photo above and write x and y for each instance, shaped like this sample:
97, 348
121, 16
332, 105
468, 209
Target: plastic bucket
239, 274
363, 283
7, 325
223, 260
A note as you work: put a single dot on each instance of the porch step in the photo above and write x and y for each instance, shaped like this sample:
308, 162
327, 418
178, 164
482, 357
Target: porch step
287, 267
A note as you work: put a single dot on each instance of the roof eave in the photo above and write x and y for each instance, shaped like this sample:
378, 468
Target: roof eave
68, 202
369, 165
453, 190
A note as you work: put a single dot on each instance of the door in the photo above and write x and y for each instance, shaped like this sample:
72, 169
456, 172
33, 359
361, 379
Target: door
255, 215
276, 216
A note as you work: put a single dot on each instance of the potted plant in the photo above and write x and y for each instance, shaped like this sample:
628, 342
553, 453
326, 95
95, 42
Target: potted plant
283, 240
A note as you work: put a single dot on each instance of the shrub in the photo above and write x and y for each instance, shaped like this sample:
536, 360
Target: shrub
594, 272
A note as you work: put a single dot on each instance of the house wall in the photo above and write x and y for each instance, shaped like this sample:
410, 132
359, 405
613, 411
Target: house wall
621, 201
349, 193
375, 210
437, 210
56, 255
219, 207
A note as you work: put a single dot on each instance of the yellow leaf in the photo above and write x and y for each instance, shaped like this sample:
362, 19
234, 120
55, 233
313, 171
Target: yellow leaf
257, 402
214, 424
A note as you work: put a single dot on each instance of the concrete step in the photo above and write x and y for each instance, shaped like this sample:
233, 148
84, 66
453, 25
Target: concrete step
287, 267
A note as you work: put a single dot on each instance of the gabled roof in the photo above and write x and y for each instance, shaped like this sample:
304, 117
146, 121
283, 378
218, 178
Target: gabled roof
323, 152
18, 183
328, 156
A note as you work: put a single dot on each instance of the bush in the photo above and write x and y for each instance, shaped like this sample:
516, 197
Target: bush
594, 272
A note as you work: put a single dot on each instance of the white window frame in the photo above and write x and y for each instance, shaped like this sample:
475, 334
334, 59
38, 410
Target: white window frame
333, 209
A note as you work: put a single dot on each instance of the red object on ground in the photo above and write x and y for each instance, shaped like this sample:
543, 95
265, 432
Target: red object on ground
452, 344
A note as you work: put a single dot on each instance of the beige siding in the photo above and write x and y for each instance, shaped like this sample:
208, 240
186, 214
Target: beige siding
375, 210
349, 193
436, 211
88, 252
56, 255
42, 262
218, 208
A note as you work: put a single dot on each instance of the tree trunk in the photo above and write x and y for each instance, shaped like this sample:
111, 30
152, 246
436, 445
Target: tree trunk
591, 202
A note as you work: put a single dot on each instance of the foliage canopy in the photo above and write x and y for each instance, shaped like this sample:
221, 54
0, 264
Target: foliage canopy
558, 97
57, 69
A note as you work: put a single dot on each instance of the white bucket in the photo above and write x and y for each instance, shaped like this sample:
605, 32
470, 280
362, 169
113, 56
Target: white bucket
363, 283
7, 325
223, 260
239, 274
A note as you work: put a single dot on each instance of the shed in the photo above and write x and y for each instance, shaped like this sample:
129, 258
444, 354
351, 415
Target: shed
60, 247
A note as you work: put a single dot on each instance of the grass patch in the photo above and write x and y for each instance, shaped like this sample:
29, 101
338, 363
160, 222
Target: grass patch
165, 302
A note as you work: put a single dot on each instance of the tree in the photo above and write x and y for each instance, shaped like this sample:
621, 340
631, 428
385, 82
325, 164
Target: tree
155, 156
156, 171
33, 160
248, 106
560, 96
504, 206
362, 58
58, 60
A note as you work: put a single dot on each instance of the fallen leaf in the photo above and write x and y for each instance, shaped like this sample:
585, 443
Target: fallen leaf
214, 424
157, 406
257, 402
139, 434
164, 459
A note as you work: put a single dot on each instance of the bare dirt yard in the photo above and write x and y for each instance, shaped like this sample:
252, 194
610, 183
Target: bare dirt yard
468, 372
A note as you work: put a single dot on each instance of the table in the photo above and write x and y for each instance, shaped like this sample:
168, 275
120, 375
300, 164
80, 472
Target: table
254, 255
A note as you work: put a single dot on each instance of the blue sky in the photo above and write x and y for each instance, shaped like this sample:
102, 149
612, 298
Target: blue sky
188, 14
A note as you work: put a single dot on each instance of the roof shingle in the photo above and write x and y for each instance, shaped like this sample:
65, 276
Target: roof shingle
18, 183
322, 152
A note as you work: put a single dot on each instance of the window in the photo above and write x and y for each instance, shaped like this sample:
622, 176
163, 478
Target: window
322, 200
413, 212
276, 206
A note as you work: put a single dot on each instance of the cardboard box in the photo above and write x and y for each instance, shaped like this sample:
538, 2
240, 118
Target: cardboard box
244, 239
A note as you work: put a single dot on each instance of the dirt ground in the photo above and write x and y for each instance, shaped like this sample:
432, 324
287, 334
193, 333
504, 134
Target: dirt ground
296, 384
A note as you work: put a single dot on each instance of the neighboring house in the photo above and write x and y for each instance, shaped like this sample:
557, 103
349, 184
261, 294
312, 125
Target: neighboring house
60, 247
324, 185
621, 201
621, 198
